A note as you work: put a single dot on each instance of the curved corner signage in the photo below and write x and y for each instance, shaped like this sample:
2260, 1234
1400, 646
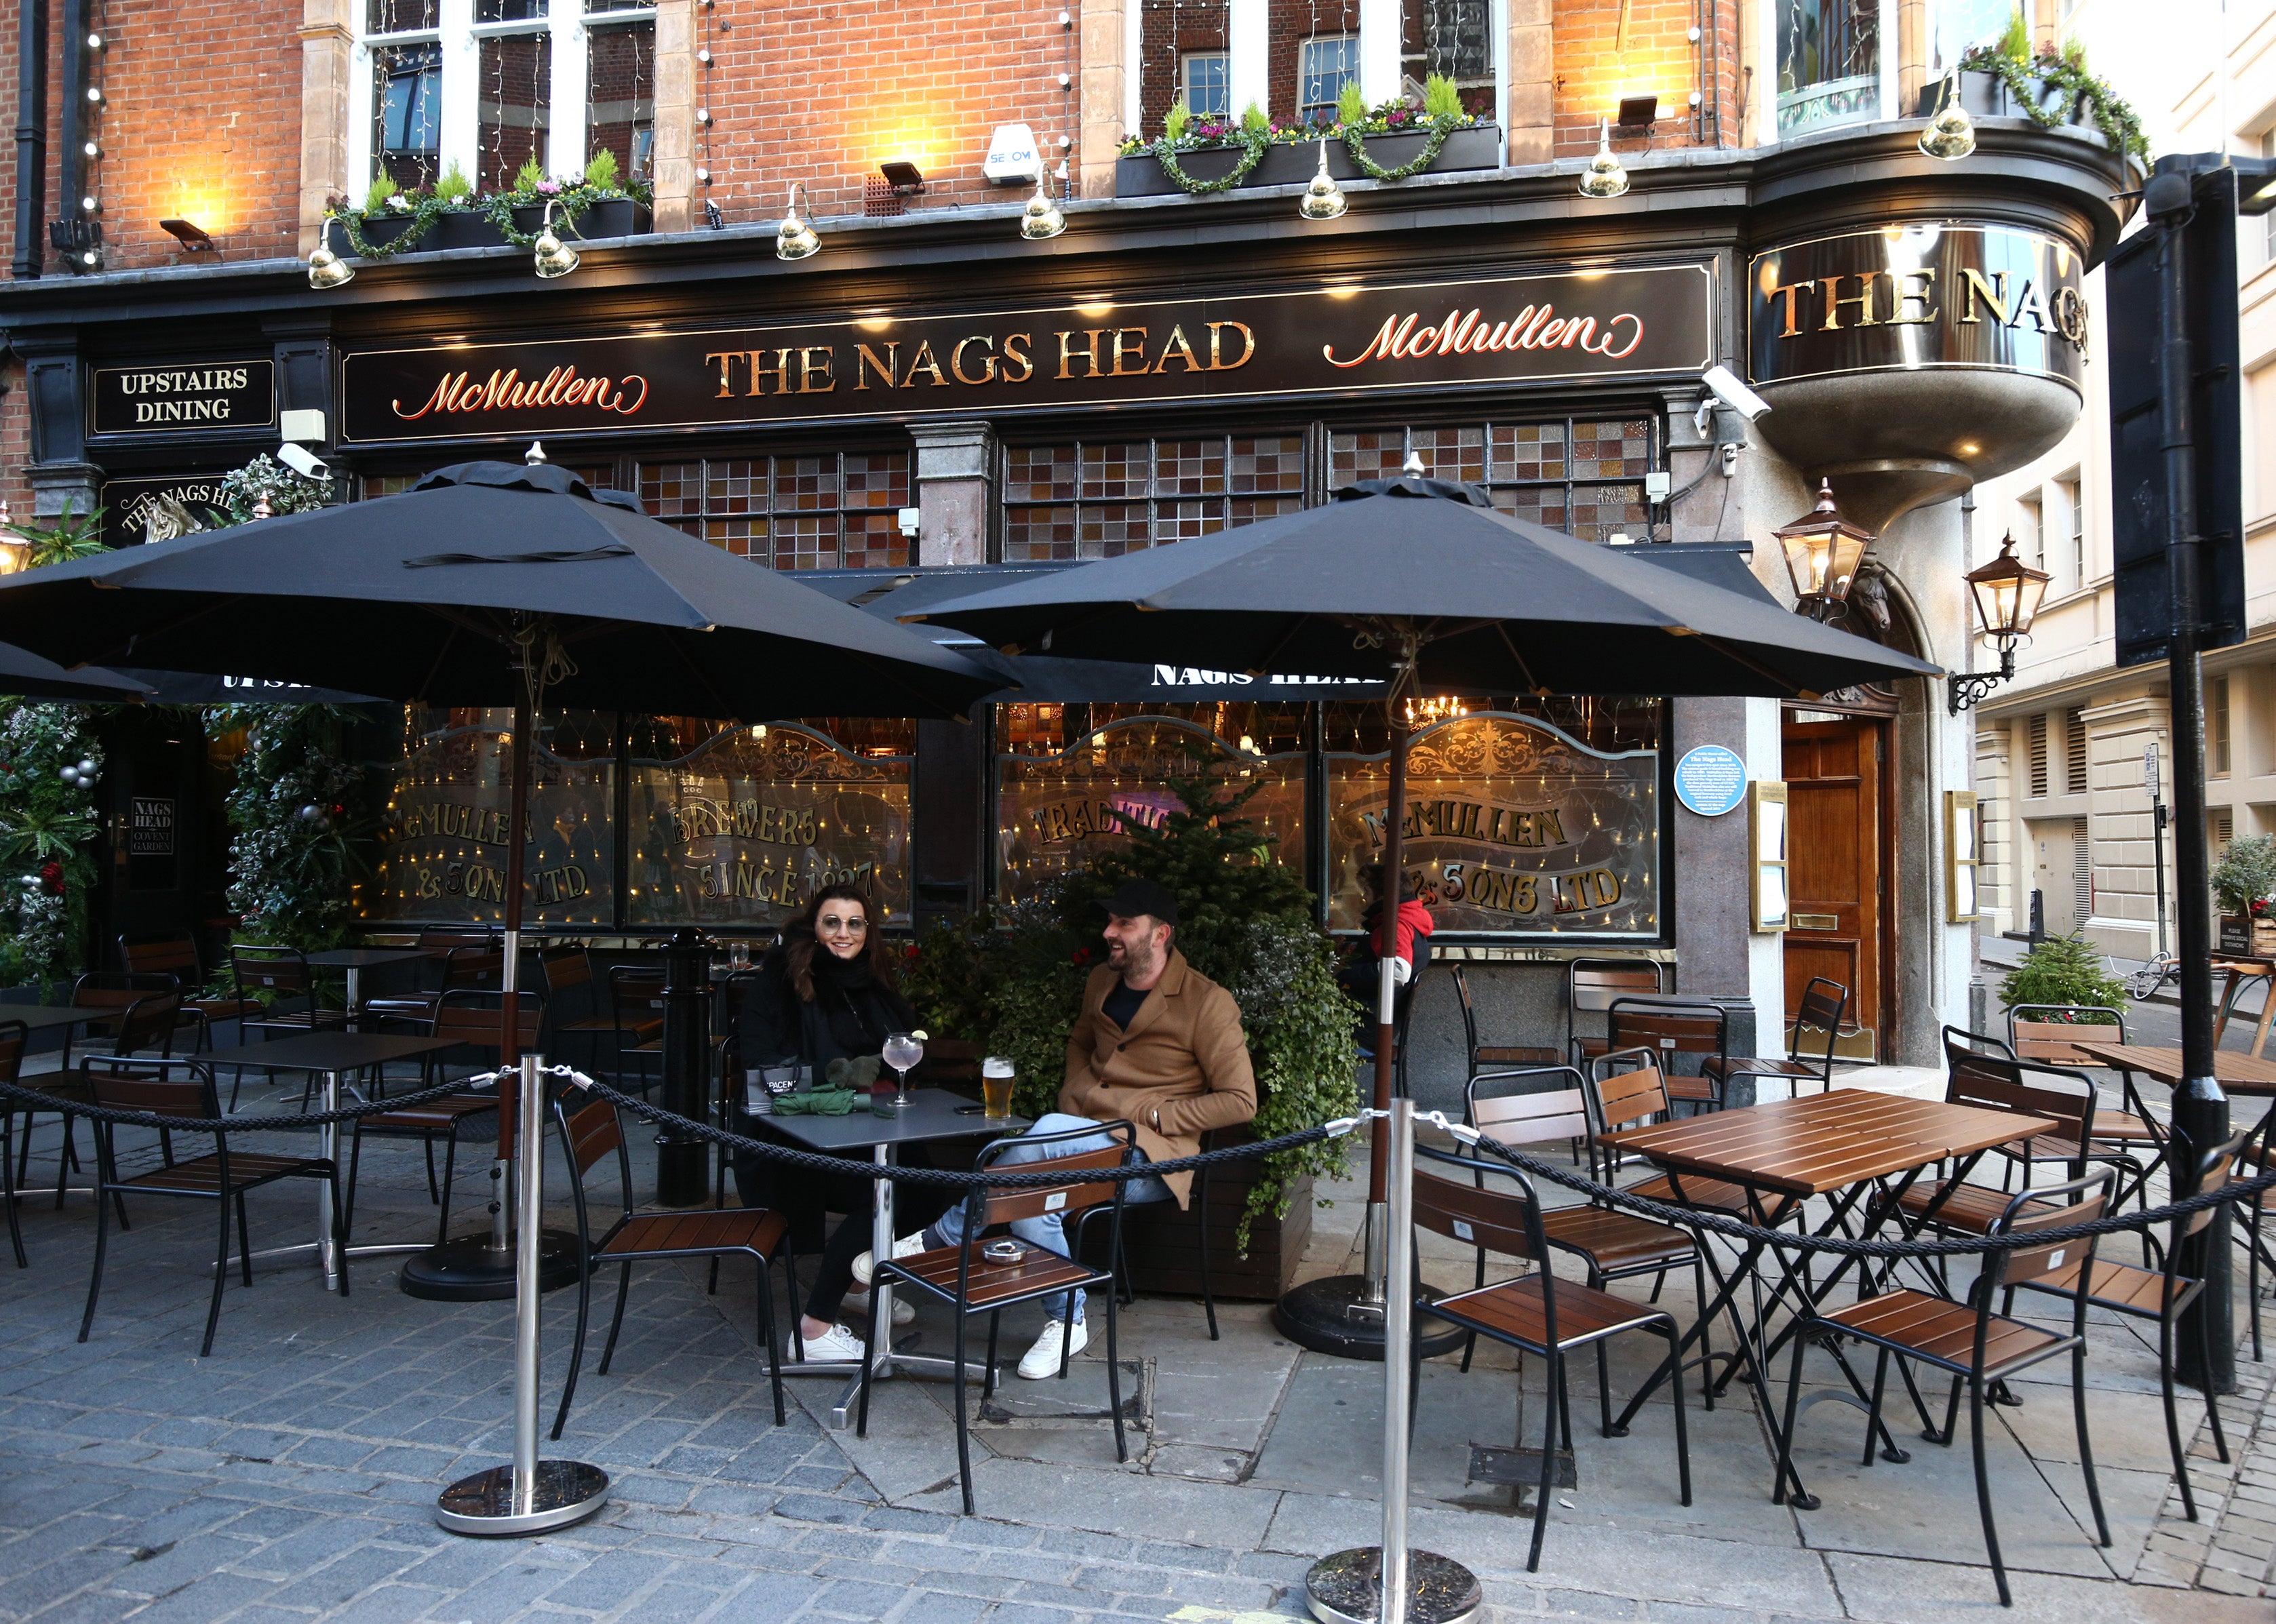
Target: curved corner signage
1916, 296
1345, 340
1711, 780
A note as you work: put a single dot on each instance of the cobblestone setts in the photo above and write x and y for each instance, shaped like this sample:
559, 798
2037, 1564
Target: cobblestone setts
291, 1477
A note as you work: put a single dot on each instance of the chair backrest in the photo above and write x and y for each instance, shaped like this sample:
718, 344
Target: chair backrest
15, 1037
588, 1134
636, 992
161, 1087
148, 1023
2051, 1032
472, 965
117, 990
175, 955
565, 967
1824, 1002
1670, 1029
282, 972
2214, 1169
1592, 984
1495, 1104
1469, 1015
477, 1019
2025, 1264
1005, 1206
1504, 1221
1636, 1092
1994, 1082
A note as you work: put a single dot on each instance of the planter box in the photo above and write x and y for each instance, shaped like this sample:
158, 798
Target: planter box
1480, 146
461, 228
468, 228
614, 216
1985, 96
1162, 1244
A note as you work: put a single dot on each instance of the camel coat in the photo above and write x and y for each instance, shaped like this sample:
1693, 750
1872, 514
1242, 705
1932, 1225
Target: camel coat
1179, 1070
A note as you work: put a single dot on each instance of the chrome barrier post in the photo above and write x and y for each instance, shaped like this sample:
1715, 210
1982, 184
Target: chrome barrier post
1388, 1583
531, 1495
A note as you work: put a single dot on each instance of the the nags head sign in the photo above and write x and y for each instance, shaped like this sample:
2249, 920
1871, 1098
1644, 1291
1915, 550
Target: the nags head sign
1519, 327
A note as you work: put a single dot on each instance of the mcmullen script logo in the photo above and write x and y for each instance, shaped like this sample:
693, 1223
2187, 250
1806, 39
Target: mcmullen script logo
504, 390
1535, 327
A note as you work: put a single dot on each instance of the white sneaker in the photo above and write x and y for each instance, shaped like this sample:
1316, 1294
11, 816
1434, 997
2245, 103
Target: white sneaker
1043, 1359
904, 1312
907, 1246
837, 1344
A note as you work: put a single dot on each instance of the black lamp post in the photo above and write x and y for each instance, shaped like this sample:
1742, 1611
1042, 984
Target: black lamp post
2007, 593
1822, 551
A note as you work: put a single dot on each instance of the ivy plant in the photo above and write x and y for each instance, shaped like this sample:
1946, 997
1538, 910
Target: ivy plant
2030, 79
46, 840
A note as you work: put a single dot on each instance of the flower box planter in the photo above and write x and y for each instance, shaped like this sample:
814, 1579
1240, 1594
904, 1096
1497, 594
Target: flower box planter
471, 228
461, 228
2253, 937
613, 216
1984, 95
1479, 147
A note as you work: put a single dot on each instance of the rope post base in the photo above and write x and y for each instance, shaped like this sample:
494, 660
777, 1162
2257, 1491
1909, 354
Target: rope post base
531, 1495
1348, 1588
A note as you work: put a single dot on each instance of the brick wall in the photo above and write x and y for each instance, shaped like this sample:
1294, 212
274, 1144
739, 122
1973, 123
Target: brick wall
1594, 71
15, 441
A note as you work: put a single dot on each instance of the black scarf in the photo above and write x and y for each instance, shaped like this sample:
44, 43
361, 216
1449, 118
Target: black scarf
858, 1014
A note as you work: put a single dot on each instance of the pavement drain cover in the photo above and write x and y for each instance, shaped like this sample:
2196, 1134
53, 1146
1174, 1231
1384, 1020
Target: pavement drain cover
1520, 1468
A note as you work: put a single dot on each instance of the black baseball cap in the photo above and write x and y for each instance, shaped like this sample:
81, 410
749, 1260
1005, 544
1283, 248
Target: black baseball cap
1132, 897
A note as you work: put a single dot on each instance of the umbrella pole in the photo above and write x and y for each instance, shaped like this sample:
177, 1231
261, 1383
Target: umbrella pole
1394, 822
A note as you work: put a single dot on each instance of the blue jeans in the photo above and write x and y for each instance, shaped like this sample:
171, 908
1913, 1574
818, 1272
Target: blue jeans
1049, 1230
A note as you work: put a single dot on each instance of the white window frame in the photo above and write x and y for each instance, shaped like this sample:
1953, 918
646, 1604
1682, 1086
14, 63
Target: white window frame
1185, 77
1355, 73
460, 100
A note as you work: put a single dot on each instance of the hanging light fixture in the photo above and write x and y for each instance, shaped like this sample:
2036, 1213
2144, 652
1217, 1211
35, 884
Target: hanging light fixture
1323, 200
1042, 219
550, 256
327, 269
1951, 133
2007, 593
1605, 177
1822, 552
794, 238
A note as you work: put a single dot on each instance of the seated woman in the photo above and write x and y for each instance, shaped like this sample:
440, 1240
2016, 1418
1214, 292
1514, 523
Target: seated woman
1361, 975
826, 991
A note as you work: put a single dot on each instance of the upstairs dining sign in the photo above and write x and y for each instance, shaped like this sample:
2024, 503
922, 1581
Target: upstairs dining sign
1564, 325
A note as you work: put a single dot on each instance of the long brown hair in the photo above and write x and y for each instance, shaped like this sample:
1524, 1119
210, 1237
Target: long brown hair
800, 942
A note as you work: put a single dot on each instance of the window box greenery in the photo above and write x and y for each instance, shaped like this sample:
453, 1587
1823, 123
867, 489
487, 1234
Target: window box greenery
450, 216
2007, 80
1392, 141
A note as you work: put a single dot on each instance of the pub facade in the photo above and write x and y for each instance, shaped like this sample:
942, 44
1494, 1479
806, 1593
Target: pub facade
931, 402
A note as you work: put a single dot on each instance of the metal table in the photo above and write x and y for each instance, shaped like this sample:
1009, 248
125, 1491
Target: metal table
47, 1017
330, 1054
930, 1114
355, 961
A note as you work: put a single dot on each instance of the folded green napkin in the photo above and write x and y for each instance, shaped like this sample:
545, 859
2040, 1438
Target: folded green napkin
819, 1102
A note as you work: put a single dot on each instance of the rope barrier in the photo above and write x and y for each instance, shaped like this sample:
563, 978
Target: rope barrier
41, 1101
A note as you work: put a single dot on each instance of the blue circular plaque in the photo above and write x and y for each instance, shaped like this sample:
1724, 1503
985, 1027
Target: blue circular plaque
1711, 780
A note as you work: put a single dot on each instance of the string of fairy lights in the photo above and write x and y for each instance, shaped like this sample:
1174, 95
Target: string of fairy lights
737, 826
82, 242
705, 59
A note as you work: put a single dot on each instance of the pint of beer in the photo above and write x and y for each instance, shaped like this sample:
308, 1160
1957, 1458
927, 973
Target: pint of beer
996, 1076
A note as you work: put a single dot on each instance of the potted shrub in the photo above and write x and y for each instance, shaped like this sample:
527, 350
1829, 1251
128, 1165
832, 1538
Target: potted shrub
2244, 880
392, 222
592, 205
2007, 80
2062, 969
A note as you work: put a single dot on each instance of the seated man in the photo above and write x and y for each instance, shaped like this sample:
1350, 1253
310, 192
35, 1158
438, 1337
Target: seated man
1158, 1045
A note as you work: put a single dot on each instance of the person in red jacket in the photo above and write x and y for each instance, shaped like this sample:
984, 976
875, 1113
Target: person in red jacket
1410, 930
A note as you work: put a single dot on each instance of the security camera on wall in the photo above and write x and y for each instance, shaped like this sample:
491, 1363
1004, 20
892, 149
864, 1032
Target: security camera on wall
303, 461
1733, 394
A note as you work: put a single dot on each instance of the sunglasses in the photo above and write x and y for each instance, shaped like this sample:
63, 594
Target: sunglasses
853, 924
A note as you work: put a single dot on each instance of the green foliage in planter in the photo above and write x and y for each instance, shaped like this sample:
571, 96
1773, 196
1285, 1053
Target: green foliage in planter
288, 491
454, 188
1441, 101
1351, 104
2029, 79
2062, 969
46, 840
69, 535
1252, 121
379, 197
2014, 41
1015, 980
2245, 874
529, 176
290, 872
601, 171
1177, 121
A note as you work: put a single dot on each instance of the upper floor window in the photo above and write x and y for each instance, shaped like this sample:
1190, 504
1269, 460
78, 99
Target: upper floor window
1206, 83
1325, 64
1829, 63
498, 83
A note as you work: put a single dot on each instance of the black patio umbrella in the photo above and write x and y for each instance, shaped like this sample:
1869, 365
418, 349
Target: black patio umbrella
27, 676
1420, 582
490, 584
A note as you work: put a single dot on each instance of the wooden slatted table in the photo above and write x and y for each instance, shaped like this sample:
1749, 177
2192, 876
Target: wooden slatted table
1841, 1144
2239, 1073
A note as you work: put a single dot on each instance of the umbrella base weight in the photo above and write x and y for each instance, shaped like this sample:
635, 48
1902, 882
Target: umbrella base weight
1348, 1588
469, 1270
566, 1491
1327, 1316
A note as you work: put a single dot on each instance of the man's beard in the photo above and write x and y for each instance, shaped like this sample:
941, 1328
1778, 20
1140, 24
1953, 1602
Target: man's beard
1132, 960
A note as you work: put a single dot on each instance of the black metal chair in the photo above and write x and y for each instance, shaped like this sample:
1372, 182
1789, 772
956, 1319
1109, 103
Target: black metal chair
1493, 1057
1536, 1313
1677, 1028
589, 1134
1975, 1346
1824, 1003
1592, 986
184, 1089
970, 1283
147, 1026
175, 954
2049, 1034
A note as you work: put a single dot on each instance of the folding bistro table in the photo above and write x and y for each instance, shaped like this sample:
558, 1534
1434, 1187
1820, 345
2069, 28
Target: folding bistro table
355, 961
1842, 1145
931, 1114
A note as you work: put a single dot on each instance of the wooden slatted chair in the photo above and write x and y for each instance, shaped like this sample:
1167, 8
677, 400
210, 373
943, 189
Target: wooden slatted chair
588, 1136
177, 955
184, 1089
1627, 1090
1591, 985
1975, 1346
564, 971
1528, 1107
1494, 1056
970, 1283
145, 1027
267, 976
2049, 1034
2161, 1294
636, 1012
470, 960
1538, 1313
1672, 1030
1824, 1003
114, 991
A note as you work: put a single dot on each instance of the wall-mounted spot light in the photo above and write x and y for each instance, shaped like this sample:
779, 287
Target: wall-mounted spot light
904, 177
191, 235
95, 41
95, 93
328, 269
1637, 114
1951, 133
92, 149
1323, 200
91, 204
1042, 220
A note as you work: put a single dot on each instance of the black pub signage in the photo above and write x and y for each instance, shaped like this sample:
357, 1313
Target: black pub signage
1336, 340
181, 396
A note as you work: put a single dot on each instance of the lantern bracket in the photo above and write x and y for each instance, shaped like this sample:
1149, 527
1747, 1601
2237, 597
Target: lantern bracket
1966, 690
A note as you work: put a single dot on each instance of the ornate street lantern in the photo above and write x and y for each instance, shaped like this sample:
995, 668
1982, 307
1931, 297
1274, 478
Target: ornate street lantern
2007, 593
1822, 551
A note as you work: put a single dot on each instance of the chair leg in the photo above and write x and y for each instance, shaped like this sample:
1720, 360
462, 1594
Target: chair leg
8, 1185
244, 1239
869, 1363
1114, 1383
355, 1165
1785, 1471
766, 1293
1873, 1410
2173, 1419
2251, 1271
339, 1224
2212, 1404
1605, 1390
2086, 1450
450, 1169
1706, 1348
221, 1279
1984, 1488
1208, 1291
434, 1193
1553, 1367
66, 1158
956, 1398
988, 1381
102, 1245
1565, 1400
617, 1317
1951, 1417
577, 1345
1676, 1388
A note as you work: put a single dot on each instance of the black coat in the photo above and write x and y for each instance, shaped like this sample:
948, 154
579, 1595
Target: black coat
848, 1016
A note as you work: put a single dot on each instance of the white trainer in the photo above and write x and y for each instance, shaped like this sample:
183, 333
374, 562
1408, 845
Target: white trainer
1043, 1359
907, 1246
836, 1344
905, 1312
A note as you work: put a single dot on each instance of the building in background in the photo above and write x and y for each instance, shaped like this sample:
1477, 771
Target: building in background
2062, 794
932, 390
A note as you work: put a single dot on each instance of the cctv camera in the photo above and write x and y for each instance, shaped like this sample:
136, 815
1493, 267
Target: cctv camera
303, 462
1735, 394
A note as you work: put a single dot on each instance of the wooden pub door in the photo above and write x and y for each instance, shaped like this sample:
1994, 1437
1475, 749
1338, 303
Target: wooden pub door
1840, 865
